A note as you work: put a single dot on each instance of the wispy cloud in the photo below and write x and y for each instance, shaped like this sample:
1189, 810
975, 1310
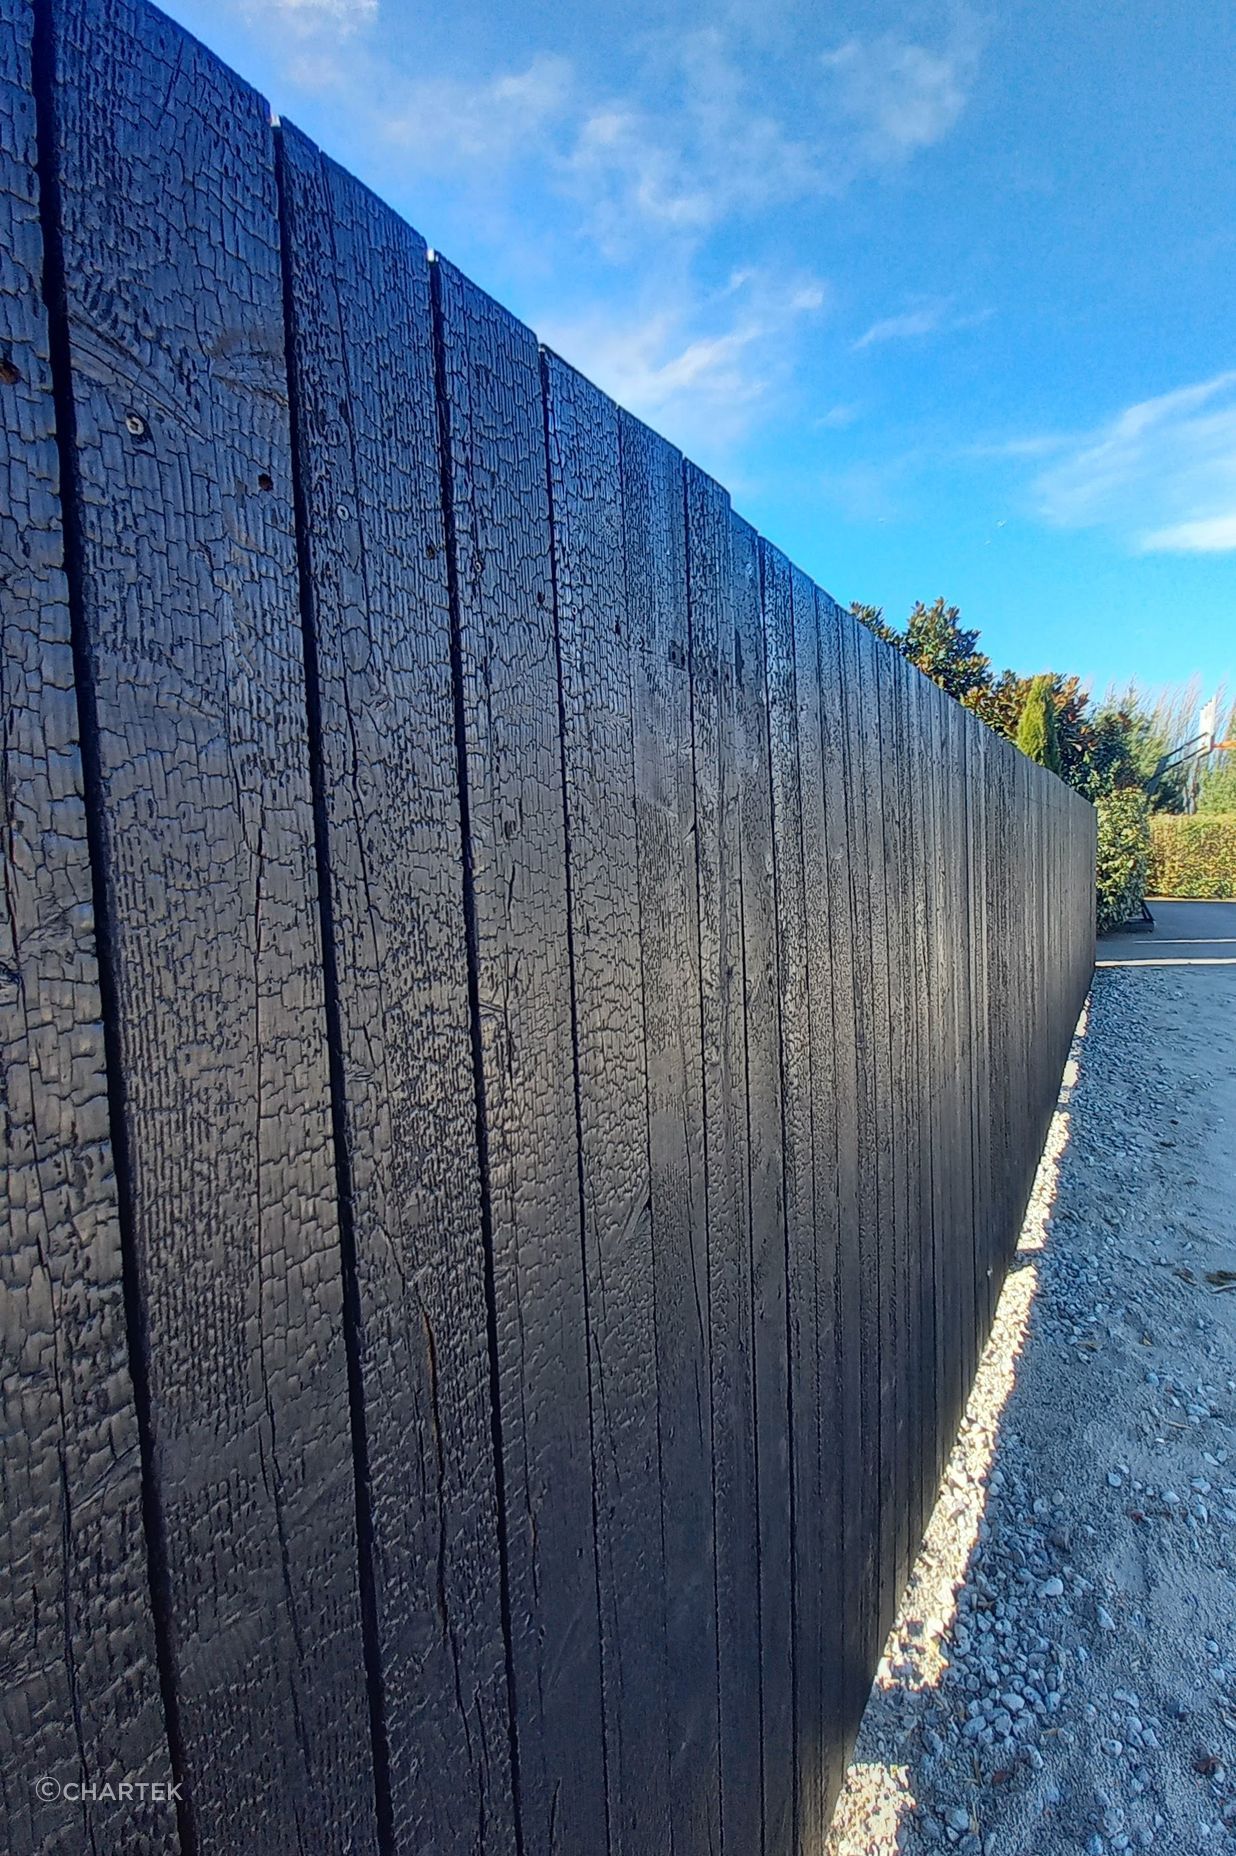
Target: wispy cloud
309, 15
836, 419
697, 132
927, 317
719, 144
1208, 535
900, 95
703, 133
1162, 471
700, 370
492, 121
706, 150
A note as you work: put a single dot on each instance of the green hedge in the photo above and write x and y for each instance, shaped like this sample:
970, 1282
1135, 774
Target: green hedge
1122, 856
1193, 856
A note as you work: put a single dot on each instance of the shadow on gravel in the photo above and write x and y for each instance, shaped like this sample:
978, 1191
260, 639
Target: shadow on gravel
1062, 1673
950, 1604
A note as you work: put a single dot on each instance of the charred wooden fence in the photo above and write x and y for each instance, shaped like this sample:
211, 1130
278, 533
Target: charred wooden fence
527, 1037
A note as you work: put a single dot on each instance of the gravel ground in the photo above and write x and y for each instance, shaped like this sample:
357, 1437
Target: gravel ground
1062, 1675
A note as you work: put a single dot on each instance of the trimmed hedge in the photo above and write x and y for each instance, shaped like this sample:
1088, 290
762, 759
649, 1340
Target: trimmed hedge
1193, 856
1122, 856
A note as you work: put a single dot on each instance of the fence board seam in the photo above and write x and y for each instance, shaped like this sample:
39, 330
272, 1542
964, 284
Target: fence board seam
351, 1316
468, 904
672, 990
55, 297
576, 1083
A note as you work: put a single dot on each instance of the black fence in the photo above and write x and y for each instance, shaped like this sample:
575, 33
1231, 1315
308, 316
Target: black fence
527, 1038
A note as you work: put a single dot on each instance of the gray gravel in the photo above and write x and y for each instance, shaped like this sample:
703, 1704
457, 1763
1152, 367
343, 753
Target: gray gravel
1062, 1675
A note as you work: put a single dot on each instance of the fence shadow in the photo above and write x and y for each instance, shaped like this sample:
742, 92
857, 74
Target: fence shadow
885, 1796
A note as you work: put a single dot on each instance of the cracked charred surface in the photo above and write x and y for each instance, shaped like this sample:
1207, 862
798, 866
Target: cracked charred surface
598, 762
654, 536
182, 512
81, 1689
382, 715
496, 494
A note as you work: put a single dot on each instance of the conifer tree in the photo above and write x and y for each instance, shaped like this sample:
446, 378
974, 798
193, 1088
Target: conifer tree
1036, 727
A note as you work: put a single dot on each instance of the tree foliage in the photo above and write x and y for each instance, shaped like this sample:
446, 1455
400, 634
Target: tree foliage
936, 642
1193, 856
1217, 792
1122, 856
1036, 726
1110, 751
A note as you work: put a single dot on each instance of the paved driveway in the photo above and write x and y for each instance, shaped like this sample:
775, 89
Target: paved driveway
1184, 933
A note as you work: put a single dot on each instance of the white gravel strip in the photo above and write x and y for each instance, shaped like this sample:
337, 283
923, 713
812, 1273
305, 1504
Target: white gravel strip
1062, 1673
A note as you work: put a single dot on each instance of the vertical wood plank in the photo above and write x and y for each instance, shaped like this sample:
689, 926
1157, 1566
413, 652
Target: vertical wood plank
959, 761
903, 999
634, 852
710, 606
835, 1015
874, 1008
498, 529
655, 548
855, 648
377, 607
808, 1050
603, 880
820, 1519
81, 1694
1018, 1083
961, 1248
997, 986
183, 517
919, 880
798, 1180
894, 1211
937, 1008
981, 852
765, 1197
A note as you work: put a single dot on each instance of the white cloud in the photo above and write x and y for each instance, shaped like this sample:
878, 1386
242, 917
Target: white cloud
706, 149
1163, 472
837, 418
1210, 535
700, 370
900, 95
703, 132
696, 129
484, 123
909, 323
311, 15
720, 144
924, 318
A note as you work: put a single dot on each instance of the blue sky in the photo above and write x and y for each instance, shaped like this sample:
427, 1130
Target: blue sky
944, 295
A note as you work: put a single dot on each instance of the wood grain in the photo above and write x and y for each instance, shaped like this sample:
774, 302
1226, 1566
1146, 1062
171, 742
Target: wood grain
377, 605
598, 751
528, 1033
710, 613
81, 1696
497, 499
184, 514
765, 1194
654, 531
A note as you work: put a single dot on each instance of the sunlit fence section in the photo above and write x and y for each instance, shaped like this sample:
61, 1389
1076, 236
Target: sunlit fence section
528, 1035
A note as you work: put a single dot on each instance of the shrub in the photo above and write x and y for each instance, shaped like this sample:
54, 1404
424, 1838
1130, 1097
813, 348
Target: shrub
1193, 856
1036, 728
1218, 787
1122, 856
